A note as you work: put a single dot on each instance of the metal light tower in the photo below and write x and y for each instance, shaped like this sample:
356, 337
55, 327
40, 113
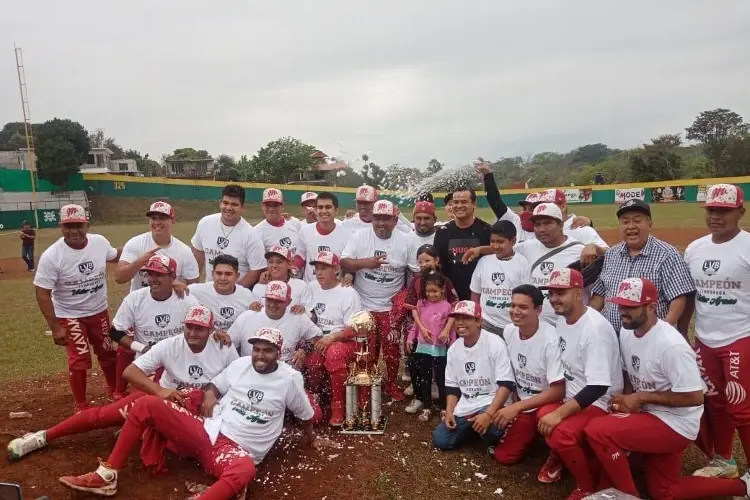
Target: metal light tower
30, 153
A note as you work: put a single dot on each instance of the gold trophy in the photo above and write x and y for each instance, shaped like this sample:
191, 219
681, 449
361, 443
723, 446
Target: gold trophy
365, 380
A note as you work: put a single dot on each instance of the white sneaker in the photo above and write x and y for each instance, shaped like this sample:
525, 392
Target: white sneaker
409, 391
435, 394
22, 446
719, 467
746, 479
414, 406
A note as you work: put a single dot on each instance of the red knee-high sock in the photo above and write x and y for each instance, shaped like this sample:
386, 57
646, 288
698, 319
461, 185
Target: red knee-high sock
77, 379
575, 461
338, 390
109, 370
706, 487
129, 437
616, 466
123, 360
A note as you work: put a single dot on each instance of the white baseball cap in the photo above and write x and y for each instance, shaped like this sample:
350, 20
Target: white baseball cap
724, 196
272, 195
308, 196
366, 193
547, 210
200, 316
161, 207
278, 290
279, 250
385, 207
70, 214
564, 279
326, 257
467, 308
270, 335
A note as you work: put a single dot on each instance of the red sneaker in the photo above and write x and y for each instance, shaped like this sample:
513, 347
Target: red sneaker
551, 471
395, 392
102, 482
338, 415
579, 494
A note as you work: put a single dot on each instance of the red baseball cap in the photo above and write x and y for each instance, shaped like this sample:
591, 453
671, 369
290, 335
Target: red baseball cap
724, 196
564, 279
424, 207
162, 264
278, 290
162, 208
200, 316
552, 196
467, 308
634, 292
328, 258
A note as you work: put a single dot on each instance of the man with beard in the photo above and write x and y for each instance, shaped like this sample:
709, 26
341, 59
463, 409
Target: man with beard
380, 258
71, 290
424, 225
591, 360
247, 401
326, 235
658, 414
365, 198
188, 361
228, 233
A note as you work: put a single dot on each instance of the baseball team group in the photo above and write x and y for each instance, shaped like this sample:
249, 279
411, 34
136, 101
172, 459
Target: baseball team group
529, 328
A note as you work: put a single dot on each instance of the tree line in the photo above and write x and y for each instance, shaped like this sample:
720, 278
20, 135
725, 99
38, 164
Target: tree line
720, 147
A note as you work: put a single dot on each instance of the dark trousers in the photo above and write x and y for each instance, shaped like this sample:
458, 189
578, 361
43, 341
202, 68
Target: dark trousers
422, 367
27, 254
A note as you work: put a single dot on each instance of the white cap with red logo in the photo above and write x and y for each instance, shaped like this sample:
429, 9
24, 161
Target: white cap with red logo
279, 250
70, 214
530, 199
564, 279
270, 335
467, 308
366, 193
547, 210
634, 292
278, 290
326, 257
385, 207
272, 195
308, 196
724, 196
161, 207
162, 264
552, 196
200, 316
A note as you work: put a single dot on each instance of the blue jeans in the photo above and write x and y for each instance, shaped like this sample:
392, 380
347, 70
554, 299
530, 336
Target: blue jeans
444, 438
27, 254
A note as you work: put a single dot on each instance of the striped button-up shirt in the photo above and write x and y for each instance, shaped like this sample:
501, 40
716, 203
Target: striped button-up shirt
657, 261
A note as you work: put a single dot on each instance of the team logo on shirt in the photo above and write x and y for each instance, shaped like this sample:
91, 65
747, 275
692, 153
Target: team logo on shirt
324, 248
195, 372
226, 312
285, 242
380, 253
635, 361
546, 267
86, 267
254, 396
320, 308
521, 360
161, 320
562, 344
222, 242
498, 278
470, 367
711, 267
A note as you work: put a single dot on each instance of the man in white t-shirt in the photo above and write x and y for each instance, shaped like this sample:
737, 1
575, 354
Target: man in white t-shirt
139, 249
227, 232
720, 266
496, 276
188, 361
325, 235
275, 229
424, 225
365, 198
222, 296
71, 289
540, 380
379, 257
279, 265
478, 381
334, 305
247, 402
659, 412
591, 359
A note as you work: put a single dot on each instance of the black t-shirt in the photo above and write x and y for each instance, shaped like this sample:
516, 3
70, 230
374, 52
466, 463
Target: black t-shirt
451, 243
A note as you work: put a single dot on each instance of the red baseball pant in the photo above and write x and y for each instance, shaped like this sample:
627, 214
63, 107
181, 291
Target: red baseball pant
83, 334
567, 440
517, 438
726, 371
224, 460
383, 338
335, 362
125, 356
99, 417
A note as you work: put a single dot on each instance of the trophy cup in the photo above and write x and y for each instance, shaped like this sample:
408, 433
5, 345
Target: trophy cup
364, 386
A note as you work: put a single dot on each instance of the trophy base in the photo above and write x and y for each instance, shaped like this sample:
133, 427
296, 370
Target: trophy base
360, 430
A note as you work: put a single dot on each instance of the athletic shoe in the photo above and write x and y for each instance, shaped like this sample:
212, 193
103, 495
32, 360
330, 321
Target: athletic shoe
414, 406
338, 415
22, 446
409, 391
435, 393
102, 482
551, 471
719, 467
394, 392
746, 479
425, 416
579, 494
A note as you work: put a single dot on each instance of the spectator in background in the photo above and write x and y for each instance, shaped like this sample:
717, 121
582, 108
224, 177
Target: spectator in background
28, 235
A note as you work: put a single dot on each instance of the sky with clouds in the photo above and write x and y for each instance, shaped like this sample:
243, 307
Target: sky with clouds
404, 80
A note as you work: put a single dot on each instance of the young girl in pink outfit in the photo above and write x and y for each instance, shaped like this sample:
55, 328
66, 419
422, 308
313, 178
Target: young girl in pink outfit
428, 343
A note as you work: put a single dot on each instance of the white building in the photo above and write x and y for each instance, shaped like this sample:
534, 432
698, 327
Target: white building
100, 161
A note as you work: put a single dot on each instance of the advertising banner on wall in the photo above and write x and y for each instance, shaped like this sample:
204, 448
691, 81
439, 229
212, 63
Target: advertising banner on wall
623, 195
578, 195
668, 194
701, 196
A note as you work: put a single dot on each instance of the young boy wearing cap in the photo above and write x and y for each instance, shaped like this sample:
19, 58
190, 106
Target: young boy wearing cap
71, 290
188, 361
591, 359
279, 265
720, 267
365, 198
28, 236
275, 229
659, 412
307, 203
478, 381
247, 400
334, 305
326, 235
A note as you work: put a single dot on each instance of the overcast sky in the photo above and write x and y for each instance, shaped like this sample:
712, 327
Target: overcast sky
406, 80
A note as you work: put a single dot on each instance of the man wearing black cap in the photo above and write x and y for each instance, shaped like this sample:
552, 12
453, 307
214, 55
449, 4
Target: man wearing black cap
640, 255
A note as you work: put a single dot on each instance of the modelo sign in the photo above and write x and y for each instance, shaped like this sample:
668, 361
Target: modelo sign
623, 195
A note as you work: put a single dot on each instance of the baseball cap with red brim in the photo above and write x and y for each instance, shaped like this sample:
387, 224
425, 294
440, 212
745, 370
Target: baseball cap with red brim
634, 292
530, 199
162, 264
724, 196
280, 251
199, 316
327, 258
272, 195
564, 279
549, 210
366, 193
466, 308
552, 196
385, 207
278, 290
161, 208
424, 207
270, 335
308, 196
71, 214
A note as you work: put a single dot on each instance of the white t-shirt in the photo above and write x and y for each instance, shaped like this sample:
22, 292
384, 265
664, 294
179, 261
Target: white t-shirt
187, 266
476, 371
152, 320
417, 240
586, 235
533, 250
226, 308
536, 361
722, 280
662, 360
301, 294
311, 242
251, 410
77, 278
376, 287
513, 217
240, 241
590, 356
286, 235
334, 307
494, 279
354, 224
295, 328
184, 368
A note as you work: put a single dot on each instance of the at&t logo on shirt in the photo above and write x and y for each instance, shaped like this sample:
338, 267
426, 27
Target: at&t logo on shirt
86, 267
162, 320
195, 372
255, 396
